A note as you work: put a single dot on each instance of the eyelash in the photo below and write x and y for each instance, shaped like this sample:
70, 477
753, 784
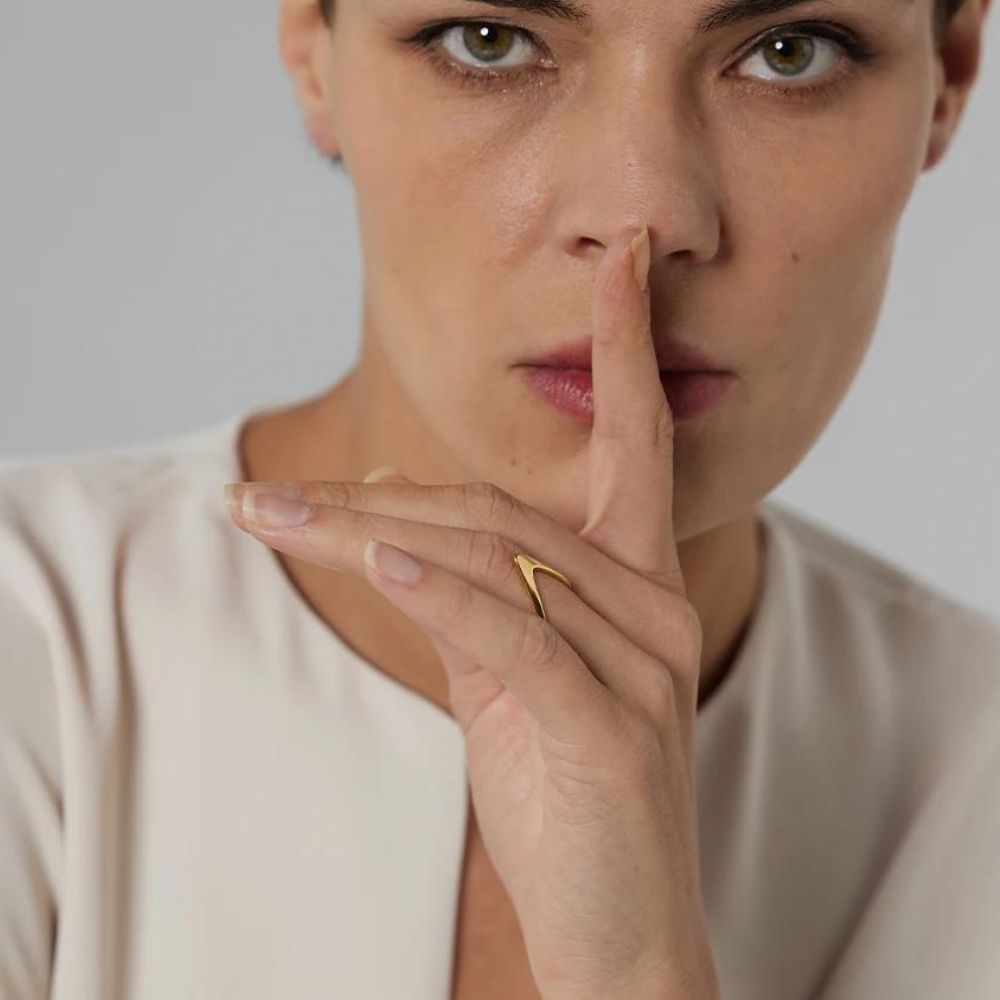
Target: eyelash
856, 50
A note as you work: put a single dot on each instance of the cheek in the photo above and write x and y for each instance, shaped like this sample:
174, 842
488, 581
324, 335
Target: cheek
442, 237
447, 213
817, 227
444, 247
448, 229
811, 233
446, 183
838, 187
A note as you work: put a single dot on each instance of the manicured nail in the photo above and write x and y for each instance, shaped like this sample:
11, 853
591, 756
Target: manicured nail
271, 506
639, 248
392, 562
376, 474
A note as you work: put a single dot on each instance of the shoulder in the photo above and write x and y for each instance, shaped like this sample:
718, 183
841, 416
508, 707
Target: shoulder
850, 578
87, 542
105, 483
894, 641
896, 687
72, 524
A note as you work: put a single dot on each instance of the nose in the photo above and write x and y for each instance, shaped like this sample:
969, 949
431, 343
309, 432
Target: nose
636, 152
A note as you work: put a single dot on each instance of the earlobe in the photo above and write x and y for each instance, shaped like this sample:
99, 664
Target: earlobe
321, 132
304, 44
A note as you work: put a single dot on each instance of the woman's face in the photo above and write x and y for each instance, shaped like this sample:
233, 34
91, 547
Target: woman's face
772, 174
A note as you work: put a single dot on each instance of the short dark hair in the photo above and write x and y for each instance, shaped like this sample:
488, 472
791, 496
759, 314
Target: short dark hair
944, 11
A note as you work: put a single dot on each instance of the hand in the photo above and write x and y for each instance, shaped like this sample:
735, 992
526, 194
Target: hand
579, 729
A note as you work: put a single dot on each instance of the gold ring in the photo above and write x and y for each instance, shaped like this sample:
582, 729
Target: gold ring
527, 567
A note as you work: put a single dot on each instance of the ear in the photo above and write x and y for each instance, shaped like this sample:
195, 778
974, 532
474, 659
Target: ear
958, 55
305, 43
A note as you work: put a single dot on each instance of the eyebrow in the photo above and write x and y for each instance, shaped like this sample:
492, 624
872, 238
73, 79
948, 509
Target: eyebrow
718, 16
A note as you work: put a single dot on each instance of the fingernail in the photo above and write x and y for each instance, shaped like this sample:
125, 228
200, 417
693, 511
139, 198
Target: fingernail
272, 506
376, 474
392, 562
639, 248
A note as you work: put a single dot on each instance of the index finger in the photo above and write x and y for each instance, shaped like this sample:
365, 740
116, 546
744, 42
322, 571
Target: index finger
630, 473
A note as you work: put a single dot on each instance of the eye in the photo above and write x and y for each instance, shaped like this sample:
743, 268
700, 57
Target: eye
495, 45
482, 54
802, 56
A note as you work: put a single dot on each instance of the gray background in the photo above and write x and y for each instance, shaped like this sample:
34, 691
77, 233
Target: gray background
172, 250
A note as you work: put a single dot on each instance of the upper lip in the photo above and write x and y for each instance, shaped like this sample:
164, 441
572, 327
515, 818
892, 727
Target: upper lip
670, 357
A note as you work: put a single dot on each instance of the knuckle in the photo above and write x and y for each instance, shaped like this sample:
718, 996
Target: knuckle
647, 425
680, 632
663, 423
456, 603
490, 556
536, 642
340, 494
618, 427
661, 700
487, 503
690, 635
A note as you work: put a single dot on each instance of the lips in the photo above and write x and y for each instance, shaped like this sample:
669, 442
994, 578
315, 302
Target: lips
571, 390
670, 357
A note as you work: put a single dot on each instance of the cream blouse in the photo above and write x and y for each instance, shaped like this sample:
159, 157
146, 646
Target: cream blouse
206, 794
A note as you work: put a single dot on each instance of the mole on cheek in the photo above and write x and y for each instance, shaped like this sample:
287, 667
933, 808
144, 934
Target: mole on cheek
795, 257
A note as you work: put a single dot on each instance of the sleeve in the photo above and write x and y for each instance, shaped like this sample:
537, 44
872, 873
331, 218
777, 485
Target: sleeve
30, 805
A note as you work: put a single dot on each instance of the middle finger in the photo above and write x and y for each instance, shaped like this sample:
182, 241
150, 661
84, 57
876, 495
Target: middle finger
656, 620
335, 538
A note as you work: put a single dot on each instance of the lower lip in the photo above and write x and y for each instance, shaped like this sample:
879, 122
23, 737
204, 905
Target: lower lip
571, 390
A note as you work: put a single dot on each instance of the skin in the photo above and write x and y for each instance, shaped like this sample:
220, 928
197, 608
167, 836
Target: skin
772, 220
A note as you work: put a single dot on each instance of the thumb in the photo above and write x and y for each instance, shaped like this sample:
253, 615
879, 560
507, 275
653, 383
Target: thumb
386, 474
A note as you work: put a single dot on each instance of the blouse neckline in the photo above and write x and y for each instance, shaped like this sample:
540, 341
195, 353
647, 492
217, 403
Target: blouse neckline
228, 435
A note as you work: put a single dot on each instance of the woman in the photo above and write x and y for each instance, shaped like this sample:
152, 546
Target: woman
624, 728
